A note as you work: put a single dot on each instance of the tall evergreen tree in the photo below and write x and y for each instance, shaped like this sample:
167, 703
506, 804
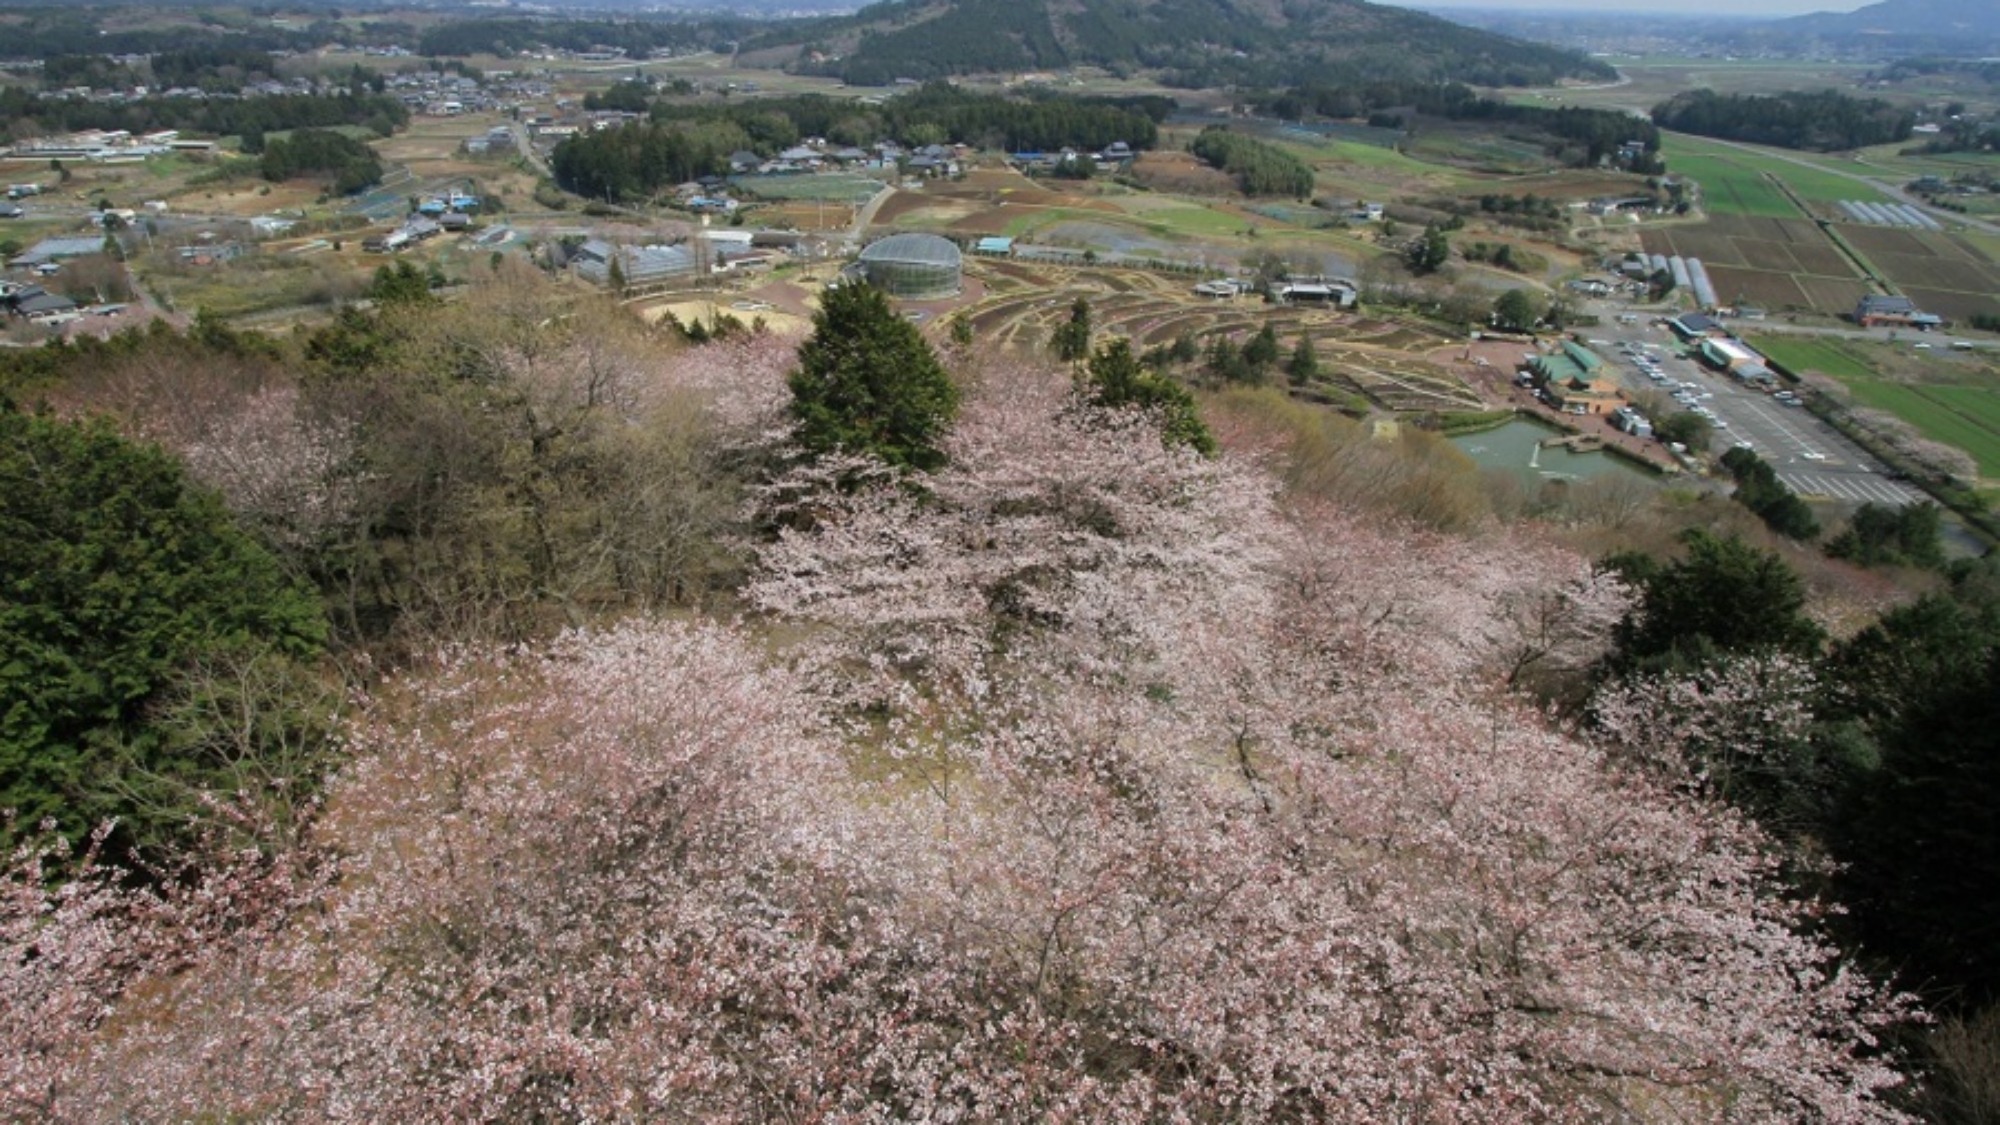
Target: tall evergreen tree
868, 383
1260, 354
1071, 339
1430, 251
120, 575
1115, 378
1723, 596
1303, 367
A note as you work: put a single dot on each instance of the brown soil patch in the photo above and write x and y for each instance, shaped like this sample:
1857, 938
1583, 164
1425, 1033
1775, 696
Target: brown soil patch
1952, 246
1955, 305
805, 215
916, 208
994, 221
1758, 287
1881, 240
254, 198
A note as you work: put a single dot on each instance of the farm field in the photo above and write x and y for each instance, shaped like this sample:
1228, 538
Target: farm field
1812, 177
1729, 188
1798, 354
1943, 273
1478, 150
1965, 417
1112, 220
1361, 359
1948, 397
1362, 167
1773, 263
1891, 161
1653, 79
829, 187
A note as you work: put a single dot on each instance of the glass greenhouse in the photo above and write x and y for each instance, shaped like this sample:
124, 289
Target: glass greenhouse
913, 265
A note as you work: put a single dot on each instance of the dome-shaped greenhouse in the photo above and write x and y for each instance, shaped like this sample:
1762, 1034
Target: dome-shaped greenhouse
918, 266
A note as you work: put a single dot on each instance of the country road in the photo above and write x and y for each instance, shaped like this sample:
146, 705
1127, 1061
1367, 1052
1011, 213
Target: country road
864, 215
526, 146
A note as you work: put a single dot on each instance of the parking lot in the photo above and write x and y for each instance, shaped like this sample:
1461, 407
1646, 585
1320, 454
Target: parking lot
1811, 458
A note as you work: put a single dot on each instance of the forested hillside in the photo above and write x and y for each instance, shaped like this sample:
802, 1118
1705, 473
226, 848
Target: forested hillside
506, 37
1259, 168
1822, 122
24, 113
835, 728
1193, 43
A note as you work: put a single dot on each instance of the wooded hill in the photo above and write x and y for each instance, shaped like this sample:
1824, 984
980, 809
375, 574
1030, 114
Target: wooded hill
1189, 43
1826, 121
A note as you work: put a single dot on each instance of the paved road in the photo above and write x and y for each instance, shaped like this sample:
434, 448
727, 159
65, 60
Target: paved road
525, 145
1811, 457
864, 215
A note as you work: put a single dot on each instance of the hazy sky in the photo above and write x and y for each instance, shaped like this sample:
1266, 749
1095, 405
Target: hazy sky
1692, 7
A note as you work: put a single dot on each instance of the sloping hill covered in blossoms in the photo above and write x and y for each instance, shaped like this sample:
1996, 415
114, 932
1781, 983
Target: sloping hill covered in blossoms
1083, 778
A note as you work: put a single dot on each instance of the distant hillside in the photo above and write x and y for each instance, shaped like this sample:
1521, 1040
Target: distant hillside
1957, 28
1192, 43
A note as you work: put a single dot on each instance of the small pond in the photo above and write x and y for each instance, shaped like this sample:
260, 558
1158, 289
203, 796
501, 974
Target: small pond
1517, 446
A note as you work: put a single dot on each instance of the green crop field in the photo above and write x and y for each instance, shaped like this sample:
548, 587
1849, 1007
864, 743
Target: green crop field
1965, 417
1478, 148
1797, 354
1199, 221
829, 186
1728, 188
1734, 178
1365, 156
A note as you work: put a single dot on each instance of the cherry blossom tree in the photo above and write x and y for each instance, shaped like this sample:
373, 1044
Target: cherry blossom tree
79, 938
284, 465
1048, 513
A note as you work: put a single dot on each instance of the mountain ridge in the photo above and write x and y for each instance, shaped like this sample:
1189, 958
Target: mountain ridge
1188, 43
1956, 28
